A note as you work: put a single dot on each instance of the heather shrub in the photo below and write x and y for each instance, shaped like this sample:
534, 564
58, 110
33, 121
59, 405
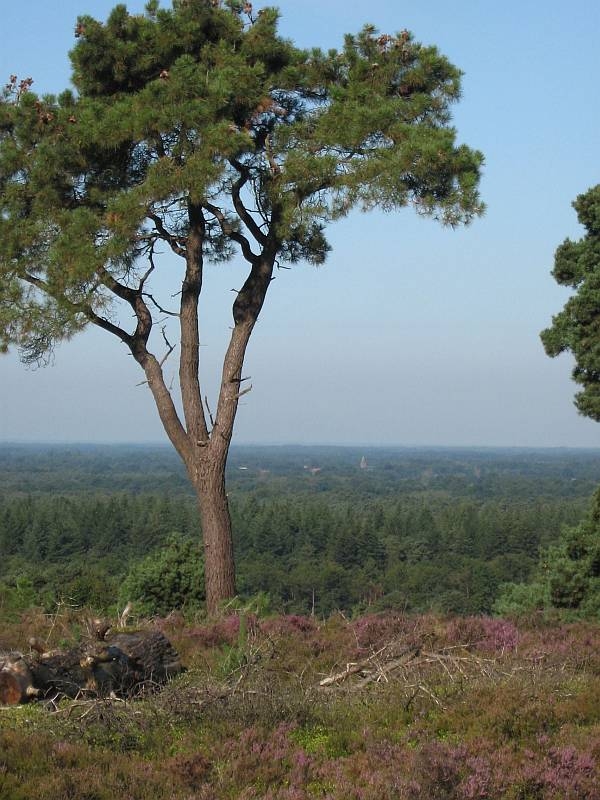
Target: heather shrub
224, 631
558, 773
192, 770
328, 738
573, 645
488, 634
484, 710
373, 631
580, 702
262, 758
288, 625
565, 773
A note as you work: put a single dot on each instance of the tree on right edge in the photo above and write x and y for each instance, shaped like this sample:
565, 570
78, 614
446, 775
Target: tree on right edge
576, 329
568, 574
572, 569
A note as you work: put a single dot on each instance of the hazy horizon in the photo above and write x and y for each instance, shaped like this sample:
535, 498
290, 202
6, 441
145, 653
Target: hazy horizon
295, 445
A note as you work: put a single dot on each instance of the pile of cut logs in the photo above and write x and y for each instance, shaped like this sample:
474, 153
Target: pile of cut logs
120, 664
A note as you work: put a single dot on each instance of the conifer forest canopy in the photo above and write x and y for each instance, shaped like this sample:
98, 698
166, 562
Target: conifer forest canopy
195, 134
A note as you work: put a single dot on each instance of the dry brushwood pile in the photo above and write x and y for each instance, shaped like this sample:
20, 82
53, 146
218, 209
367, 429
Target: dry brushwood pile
292, 665
118, 664
338, 659
417, 671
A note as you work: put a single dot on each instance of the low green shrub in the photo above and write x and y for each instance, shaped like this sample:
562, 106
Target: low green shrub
171, 578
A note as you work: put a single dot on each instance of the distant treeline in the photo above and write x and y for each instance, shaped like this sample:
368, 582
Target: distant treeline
418, 552
330, 472
315, 528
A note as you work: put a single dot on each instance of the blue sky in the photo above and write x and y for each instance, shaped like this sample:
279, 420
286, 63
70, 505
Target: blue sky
410, 334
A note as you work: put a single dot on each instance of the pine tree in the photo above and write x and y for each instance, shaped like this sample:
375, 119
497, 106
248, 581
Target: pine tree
200, 130
576, 329
568, 574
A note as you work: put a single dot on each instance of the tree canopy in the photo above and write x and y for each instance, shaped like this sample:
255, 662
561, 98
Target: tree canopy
194, 107
576, 329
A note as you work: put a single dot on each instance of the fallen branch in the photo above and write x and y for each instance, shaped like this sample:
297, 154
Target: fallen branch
384, 670
354, 667
411, 666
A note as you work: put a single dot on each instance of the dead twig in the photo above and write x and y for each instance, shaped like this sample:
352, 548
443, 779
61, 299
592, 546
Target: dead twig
352, 668
210, 416
170, 347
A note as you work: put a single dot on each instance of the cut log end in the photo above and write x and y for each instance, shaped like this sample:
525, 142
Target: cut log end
11, 692
125, 664
16, 683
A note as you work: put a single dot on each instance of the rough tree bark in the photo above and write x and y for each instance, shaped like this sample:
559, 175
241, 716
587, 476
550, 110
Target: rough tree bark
204, 449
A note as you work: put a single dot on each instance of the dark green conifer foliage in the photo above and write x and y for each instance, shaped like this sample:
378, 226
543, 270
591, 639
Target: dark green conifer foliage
166, 580
568, 573
198, 129
576, 329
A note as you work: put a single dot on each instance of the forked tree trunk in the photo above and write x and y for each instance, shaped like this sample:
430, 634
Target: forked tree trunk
208, 476
204, 451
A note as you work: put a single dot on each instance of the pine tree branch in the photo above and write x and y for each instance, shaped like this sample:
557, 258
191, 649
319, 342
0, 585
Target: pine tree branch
150, 269
169, 238
235, 236
137, 343
143, 280
119, 289
158, 306
80, 308
135, 299
239, 206
170, 347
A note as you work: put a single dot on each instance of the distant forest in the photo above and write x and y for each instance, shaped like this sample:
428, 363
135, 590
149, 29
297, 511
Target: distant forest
316, 528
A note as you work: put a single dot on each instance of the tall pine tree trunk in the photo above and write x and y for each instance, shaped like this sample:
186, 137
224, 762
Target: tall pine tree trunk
219, 564
204, 449
208, 472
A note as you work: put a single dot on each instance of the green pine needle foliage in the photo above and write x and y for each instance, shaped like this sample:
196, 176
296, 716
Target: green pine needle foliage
576, 329
204, 105
568, 575
166, 579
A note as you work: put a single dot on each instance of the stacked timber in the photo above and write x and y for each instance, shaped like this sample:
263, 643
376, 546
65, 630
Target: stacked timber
122, 664
16, 680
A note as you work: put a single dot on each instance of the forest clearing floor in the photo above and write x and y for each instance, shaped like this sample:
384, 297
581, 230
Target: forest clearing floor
293, 708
